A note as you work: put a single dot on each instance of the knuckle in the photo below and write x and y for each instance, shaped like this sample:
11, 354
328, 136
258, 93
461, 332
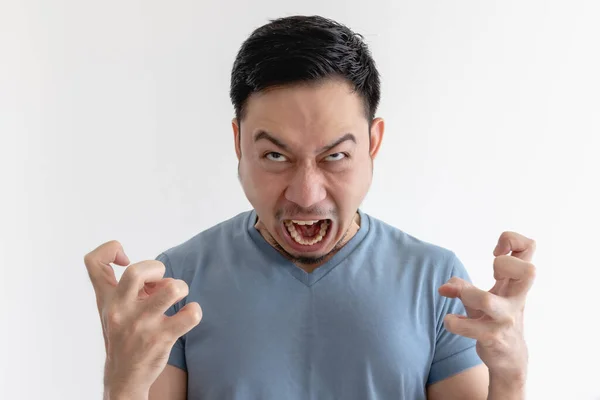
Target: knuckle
195, 318
196, 315
496, 262
533, 244
176, 288
503, 258
185, 289
451, 324
506, 235
500, 261
113, 244
530, 270
510, 321
109, 247
114, 318
170, 289
167, 281
160, 266
101, 252
133, 272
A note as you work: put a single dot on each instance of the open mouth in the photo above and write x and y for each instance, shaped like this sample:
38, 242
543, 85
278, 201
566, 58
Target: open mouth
307, 233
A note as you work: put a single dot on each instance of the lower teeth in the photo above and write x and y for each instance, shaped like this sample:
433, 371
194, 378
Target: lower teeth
306, 242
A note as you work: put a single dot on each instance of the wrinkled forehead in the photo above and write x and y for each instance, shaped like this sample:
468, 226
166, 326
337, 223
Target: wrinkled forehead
306, 115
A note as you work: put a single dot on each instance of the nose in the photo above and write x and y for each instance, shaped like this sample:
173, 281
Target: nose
306, 188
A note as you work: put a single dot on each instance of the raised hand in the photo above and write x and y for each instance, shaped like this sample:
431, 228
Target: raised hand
495, 317
138, 336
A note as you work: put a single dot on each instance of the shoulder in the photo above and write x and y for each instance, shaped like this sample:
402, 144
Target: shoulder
189, 252
421, 255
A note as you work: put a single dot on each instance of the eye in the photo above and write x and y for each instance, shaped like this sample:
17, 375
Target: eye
335, 157
277, 157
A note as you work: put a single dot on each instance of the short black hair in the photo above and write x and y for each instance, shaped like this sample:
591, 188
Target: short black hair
303, 49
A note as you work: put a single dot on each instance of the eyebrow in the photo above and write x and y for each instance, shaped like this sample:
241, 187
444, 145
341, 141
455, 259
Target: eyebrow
264, 135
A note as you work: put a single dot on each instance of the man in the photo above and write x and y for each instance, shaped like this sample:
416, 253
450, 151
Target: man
306, 296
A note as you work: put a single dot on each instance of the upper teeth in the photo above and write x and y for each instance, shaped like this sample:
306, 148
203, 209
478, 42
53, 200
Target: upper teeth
305, 222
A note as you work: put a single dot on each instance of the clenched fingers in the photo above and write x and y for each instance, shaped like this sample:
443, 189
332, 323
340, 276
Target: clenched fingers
167, 292
518, 245
136, 276
474, 298
480, 330
520, 274
183, 321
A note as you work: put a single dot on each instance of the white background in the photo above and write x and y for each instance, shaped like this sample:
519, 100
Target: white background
115, 124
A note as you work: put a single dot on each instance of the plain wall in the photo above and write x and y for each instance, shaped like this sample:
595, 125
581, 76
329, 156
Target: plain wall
115, 124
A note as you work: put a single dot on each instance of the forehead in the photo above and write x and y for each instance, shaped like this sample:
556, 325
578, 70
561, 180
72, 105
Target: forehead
307, 114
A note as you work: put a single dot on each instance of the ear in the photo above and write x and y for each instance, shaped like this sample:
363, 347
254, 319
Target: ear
377, 129
236, 138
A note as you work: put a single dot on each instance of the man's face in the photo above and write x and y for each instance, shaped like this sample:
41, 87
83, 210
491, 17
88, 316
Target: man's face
306, 163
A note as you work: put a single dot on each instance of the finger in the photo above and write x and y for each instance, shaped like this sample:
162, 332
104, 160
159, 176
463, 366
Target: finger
166, 292
98, 262
184, 320
467, 327
521, 273
452, 291
136, 276
518, 245
476, 299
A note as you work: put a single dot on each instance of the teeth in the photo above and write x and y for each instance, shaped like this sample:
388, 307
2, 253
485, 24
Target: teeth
304, 222
298, 237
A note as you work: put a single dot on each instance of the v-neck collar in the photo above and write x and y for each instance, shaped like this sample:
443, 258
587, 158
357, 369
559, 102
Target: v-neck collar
306, 278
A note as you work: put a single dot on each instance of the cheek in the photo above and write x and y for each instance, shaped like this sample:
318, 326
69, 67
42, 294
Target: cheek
349, 186
264, 186
350, 179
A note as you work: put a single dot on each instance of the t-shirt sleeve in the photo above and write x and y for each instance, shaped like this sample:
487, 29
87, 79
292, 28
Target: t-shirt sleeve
177, 356
453, 353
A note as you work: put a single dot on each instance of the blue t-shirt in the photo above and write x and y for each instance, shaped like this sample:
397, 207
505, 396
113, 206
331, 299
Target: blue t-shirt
368, 324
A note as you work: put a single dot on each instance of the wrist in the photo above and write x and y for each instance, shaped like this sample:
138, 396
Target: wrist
116, 388
113, 393
507, 385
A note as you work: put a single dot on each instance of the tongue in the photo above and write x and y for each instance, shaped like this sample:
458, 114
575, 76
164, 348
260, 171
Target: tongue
309, 230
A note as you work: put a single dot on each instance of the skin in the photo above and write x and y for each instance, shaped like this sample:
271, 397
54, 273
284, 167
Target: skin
495, 318
289, 169
138, 336
292, 173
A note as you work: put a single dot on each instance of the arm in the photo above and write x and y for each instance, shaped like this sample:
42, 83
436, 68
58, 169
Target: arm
171, 384
471, 384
